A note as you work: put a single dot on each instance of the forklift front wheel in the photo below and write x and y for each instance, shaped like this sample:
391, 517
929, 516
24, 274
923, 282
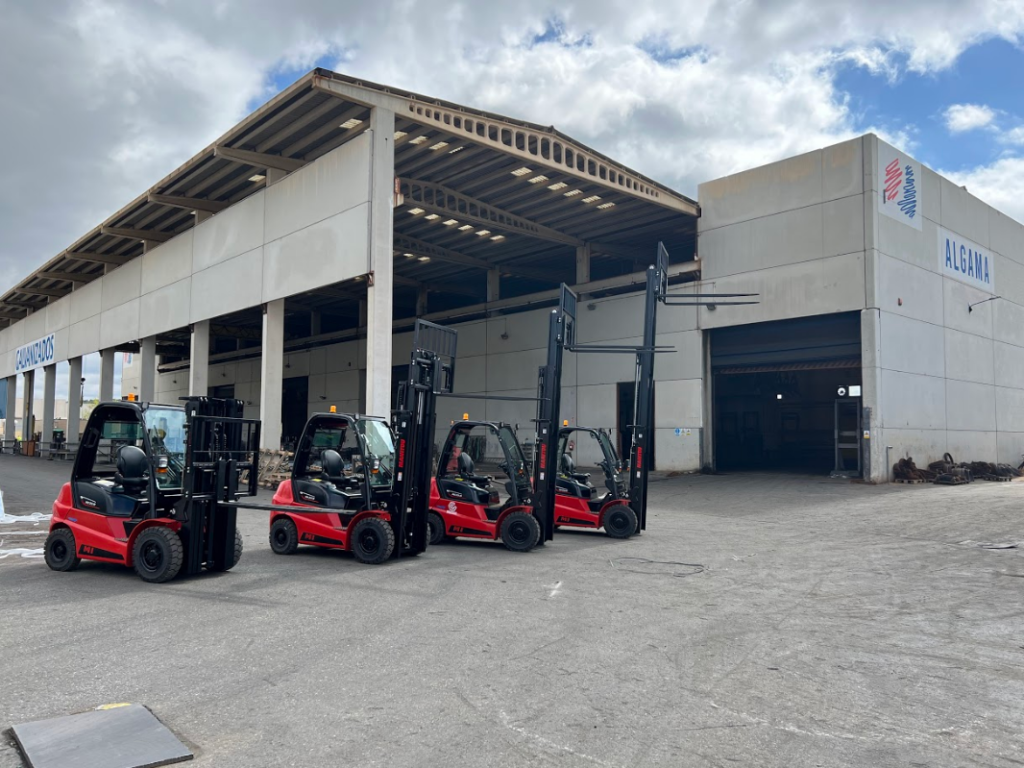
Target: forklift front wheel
284, 536
158, 554
436, 532
620, 521
60, 550
520, 532
372, 541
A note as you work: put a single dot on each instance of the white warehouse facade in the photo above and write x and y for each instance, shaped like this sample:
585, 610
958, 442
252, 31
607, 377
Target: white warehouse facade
286, 263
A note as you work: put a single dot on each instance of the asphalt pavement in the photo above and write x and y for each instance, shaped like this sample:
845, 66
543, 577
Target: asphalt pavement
762, 620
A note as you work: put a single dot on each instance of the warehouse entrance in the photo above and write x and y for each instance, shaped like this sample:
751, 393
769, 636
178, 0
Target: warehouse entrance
776, 387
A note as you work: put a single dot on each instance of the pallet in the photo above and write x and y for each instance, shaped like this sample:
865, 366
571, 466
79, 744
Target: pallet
910, 482
996, 478
951, 481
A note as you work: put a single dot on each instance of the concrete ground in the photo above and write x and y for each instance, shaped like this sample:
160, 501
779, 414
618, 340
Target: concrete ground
762, 620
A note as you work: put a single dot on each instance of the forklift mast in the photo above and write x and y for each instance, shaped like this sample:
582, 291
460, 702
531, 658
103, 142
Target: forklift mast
431, 373
561, 335
220, 448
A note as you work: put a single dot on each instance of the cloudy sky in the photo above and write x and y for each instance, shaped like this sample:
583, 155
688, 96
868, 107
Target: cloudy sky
104, 97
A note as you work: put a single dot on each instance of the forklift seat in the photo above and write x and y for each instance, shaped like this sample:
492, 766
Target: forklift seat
569, 470
333, 465
132, 469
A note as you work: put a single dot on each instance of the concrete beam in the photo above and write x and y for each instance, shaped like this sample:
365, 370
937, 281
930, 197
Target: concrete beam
137, 234
74, 400
538, 148
97, 258
106, 374
452, 288
199, 359
13, 315
259, 159
582, 264
55, 292
493, 285
188, 203
272, 374
75, 277
406, 244
449, 203
380, 293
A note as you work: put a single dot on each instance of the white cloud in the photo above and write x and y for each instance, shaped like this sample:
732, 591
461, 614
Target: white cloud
1013, 136
1000, 184
106, 96
968, 117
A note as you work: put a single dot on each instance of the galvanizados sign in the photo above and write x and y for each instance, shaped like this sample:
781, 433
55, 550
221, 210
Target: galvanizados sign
965, 261
899, 183
34, 354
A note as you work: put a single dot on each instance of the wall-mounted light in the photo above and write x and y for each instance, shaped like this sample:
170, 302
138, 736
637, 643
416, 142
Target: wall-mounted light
970, 307
778, 396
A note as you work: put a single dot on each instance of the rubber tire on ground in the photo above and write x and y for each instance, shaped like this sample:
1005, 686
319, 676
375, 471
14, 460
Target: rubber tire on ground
158, 554
436, 530
372, 541
620, 521
235, 557
65, 558
520, 532
284, 536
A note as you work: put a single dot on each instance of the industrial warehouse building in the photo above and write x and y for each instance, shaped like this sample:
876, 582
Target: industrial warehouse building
284, 265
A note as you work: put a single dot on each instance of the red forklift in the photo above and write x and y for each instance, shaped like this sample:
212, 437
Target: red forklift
509, 504
350, 487
150, 488
574, 500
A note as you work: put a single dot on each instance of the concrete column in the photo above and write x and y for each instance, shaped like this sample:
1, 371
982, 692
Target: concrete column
314, 323
27, 419
147, 359
380, 295
274, 175
74, 399
199, 359
106, 374
272, 374
12, 407
583, 264
493, 285
49, 396
421, 302
877, 460
362, 313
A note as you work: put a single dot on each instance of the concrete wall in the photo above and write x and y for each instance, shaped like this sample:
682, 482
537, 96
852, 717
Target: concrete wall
810, 236
942, 378
307, 230
500, 356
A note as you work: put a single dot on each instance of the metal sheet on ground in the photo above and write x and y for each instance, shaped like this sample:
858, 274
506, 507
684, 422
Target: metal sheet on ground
121, 737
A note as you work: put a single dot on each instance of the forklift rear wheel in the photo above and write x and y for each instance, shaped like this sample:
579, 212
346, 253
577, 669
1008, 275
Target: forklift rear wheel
436, 532
520, 532
235, 557
61, 550
372, 541
620, 521
158, 554
284, 536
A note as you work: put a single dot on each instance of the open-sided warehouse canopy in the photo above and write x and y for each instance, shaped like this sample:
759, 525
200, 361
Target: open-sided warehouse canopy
474, 191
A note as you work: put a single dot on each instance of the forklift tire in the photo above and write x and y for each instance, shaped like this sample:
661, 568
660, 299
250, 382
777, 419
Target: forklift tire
620, 521
158, 555
284, 536
235, 557
61, 550
436, 532
372, 541
520, 532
